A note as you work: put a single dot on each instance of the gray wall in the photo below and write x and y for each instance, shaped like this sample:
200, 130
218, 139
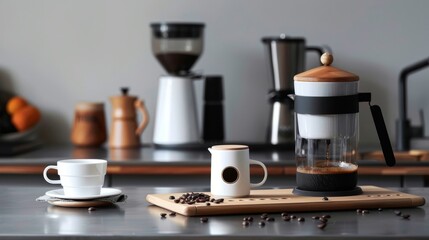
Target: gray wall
58, 53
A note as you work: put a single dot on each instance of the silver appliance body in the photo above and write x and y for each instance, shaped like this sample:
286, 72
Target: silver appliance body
286, 58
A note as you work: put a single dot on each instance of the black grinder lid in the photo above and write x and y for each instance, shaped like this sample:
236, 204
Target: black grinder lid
177, 30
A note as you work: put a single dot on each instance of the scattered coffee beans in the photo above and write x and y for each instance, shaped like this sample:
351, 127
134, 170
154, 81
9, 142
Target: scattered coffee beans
261, 223
177, 200
315, 217
270, 219
325, 198
301, 219
245, 223
250, 219
92, 209
208, 204
365, 211
321, 226
380, 209
323, 220
172, 214
397, 213
286, 218
358, 210
292, 216
163, 215
284, 214
405, 216
204, 219
172, 197
326, 216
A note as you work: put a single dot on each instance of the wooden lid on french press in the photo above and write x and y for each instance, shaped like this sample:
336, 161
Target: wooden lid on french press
326, 73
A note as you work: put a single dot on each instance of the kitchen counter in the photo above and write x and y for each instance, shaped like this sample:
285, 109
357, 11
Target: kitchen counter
147, 165
150, 160
23, 217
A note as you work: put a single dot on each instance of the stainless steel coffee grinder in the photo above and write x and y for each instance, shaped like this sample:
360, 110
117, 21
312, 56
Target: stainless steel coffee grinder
286, 57
327, 131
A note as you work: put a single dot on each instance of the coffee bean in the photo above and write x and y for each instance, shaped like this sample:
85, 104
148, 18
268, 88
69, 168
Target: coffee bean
326, 216
365, 211
250, 219
323, 220
286, 218
292, 216
284, 214
191, 198
405, 216
163, 215
204, 219
245, 223
315, 217
270, 219
220, 199
172, 214
325, 198
92, 209
208, 204
264, 215
397, 212
358, 210
380, 209
301, 219
321, 226
261, 223
212, 200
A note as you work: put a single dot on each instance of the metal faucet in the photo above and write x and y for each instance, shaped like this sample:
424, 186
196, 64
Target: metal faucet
404, 130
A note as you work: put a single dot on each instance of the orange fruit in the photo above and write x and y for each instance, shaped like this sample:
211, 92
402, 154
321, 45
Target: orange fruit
25, 118
14, 104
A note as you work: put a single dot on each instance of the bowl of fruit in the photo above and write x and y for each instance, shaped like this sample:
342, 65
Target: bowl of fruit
19, 119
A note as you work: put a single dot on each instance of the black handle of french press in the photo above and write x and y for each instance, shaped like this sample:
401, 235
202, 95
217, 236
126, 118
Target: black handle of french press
380, 126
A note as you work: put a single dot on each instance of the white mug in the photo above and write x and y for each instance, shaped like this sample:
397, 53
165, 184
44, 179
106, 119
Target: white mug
230, 175
79, 177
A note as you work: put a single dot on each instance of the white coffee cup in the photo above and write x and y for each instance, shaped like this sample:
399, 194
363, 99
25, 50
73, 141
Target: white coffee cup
79, 177
230, 175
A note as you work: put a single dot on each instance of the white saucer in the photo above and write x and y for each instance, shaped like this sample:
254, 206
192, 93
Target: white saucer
105, 192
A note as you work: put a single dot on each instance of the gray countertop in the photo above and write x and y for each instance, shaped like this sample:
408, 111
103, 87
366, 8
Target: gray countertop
22, 217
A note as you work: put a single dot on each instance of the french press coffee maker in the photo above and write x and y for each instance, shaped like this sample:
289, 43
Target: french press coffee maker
326, 131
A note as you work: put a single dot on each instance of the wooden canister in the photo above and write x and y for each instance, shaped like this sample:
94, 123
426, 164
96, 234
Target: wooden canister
89, 127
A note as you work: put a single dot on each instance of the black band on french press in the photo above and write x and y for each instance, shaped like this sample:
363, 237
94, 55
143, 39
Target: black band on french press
327, 105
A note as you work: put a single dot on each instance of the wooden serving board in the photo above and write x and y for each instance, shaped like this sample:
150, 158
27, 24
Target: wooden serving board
279, 200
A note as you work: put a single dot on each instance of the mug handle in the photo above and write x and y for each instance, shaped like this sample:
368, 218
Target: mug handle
265, 173
46, 176
139, 104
